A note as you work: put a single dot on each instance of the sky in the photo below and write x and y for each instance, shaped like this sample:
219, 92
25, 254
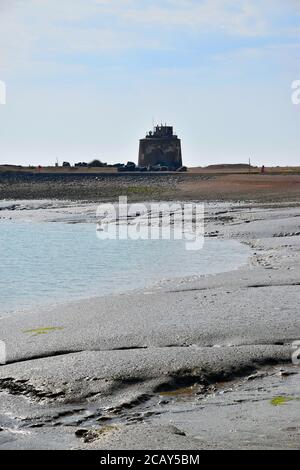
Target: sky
87, 79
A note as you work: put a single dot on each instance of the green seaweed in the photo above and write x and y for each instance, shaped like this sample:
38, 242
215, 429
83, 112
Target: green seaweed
280, 400
142, 190
44, 330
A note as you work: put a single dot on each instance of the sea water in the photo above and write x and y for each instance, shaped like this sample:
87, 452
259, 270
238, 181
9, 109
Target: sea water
46, 263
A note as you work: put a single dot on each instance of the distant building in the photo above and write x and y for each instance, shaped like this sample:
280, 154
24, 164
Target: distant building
160, 148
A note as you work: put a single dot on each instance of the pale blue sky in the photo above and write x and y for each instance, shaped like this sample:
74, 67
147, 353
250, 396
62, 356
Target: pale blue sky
85, 79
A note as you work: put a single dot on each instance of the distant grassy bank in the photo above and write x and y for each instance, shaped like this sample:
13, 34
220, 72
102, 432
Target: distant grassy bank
193, 185
211, 169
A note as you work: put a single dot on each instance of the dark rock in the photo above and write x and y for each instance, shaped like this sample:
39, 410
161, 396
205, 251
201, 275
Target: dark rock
81, 432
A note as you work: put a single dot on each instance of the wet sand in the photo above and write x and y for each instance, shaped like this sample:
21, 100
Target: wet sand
189, 364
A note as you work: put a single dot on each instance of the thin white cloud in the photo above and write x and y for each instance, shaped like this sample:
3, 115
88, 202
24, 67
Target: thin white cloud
207, 16
40, 27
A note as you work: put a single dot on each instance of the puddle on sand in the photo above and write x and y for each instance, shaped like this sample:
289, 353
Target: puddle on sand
181, 392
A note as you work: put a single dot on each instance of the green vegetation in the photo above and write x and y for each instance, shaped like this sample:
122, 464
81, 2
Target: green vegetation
280, 400
142, 189
43, 331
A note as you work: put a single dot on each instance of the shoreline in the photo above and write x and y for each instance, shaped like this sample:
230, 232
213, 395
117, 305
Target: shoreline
107, 370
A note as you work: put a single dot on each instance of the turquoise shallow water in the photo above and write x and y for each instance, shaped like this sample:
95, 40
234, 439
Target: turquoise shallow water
45, 263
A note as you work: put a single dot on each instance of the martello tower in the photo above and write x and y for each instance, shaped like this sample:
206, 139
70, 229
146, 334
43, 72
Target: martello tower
160, 147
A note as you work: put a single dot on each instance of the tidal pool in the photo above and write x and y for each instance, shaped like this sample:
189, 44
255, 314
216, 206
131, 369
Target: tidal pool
46, 263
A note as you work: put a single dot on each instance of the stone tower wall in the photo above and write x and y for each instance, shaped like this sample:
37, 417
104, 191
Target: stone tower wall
160, 151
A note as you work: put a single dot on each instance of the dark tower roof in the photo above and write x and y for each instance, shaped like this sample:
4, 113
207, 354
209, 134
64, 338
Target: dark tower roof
161, 131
